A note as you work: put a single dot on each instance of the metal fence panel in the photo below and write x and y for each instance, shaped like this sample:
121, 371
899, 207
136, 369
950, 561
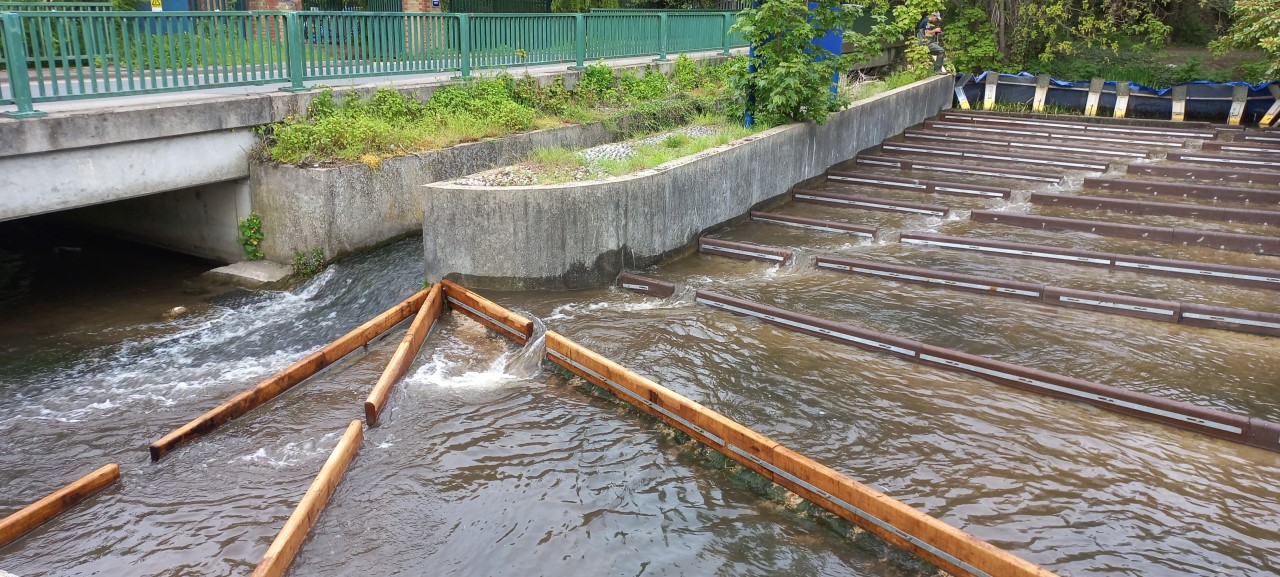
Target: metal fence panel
694, 32
614, 35
354, 44
500, 40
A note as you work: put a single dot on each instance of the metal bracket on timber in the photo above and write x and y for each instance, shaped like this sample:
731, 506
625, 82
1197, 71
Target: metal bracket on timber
989, 96
1122, 99
286, 379
286, 544
507, 323
35, 514
1095, 94
1239, 97
1042, 91
404, 355
947, 547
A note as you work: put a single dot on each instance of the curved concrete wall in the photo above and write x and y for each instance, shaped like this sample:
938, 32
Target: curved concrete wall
583, 234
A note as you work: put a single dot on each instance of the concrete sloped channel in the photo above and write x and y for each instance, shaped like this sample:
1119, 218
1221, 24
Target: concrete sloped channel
993, 320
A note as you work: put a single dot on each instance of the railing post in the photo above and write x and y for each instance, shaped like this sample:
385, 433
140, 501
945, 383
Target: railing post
464, 39
662, 37
16, 64
297, 52
728, 23
580, 40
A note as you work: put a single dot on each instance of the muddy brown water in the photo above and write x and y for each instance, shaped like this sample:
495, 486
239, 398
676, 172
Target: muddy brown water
490, 463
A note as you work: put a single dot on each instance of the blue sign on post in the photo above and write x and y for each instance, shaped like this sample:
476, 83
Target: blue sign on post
435, 3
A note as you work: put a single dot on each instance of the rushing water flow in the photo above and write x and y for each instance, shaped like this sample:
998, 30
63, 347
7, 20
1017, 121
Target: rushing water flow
487, 463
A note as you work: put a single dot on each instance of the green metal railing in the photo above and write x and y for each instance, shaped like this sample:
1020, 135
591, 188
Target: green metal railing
499, 6
55, 6
77, 55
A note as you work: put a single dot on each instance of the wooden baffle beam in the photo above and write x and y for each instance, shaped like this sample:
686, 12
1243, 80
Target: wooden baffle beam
970, 154
1019, 143
1269, 198
965, 169
945, 546
814, 224
1226, 160
646, 285
1094, 127
934, 186
744, 250
27, 518
286, 544
507, 323
1228, 274
1238, 320
869, 203
1264, 217
1212, 422
1055, 134
1250, 243
402, 359
1237, 175
286, 379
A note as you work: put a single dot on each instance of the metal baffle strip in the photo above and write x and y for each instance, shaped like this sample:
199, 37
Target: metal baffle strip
875, 205
1084, 395
1237, 321
1121, 306
761, 255
807, 327
1196, 271
811, 226
473, 311
925, 279
999, 250
968, 191
1064, 387
861, 180
639, 287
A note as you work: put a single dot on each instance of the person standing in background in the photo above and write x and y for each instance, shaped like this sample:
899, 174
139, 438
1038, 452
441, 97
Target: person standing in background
928, 33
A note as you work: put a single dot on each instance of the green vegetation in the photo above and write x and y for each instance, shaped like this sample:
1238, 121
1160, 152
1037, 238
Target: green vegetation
390, 124
556, 165
1083, 39
307, 264
251, 236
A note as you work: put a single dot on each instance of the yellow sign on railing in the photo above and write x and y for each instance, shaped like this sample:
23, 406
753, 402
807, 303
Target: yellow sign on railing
156, 6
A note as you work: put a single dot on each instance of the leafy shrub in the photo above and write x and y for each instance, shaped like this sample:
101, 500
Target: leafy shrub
596, 81
686, 75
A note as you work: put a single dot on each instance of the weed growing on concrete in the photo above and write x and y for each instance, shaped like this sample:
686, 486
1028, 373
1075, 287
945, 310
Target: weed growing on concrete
251, 237
390, 124
307, 264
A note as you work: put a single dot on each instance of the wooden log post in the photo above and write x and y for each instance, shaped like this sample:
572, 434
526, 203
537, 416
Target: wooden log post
35, 514
947, 547
505, 322
286, 544
404, 355
284, 380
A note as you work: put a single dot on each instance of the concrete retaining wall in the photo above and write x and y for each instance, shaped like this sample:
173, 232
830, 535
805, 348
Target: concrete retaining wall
350, 208
584, 234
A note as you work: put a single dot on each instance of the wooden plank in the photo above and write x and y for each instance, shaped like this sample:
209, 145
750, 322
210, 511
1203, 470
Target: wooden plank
933, 540
404, 355
36, 514
489, 314
1095, 94
286, 379
286, 544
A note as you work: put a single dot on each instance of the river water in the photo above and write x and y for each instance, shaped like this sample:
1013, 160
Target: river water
489, 464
